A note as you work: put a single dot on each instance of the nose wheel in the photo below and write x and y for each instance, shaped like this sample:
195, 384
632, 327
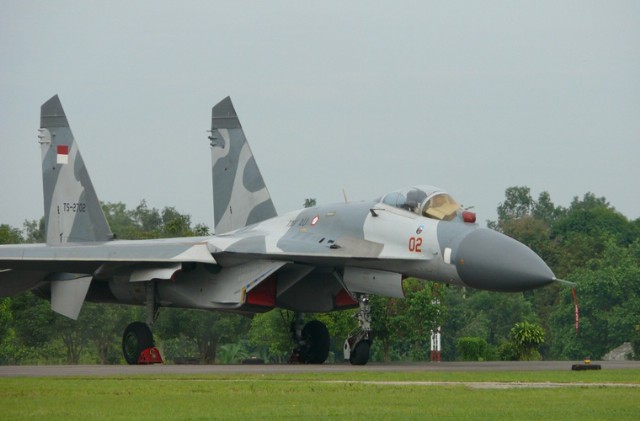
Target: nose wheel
360, 354
357, 347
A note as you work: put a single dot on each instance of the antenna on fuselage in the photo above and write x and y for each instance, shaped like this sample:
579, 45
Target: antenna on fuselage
344, 194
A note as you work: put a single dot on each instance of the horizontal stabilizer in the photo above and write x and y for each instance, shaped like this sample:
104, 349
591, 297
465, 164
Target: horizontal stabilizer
68, 296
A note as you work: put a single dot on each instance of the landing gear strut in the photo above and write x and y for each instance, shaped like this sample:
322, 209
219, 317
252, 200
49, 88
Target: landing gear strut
312, 341
138, 346
358, 344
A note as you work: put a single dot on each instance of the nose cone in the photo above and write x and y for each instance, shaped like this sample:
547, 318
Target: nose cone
489, 260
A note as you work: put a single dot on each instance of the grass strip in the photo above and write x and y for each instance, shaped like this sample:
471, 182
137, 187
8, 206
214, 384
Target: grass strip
288, 396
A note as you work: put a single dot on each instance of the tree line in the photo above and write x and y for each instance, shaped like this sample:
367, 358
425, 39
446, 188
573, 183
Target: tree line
588, 242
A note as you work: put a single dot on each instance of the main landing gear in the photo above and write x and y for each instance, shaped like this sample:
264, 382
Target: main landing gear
312, 341
138, 346
358, 344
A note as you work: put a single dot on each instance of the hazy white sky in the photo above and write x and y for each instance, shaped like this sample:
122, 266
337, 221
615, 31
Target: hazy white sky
365, 96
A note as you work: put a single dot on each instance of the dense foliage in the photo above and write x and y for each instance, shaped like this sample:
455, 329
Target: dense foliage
588, 243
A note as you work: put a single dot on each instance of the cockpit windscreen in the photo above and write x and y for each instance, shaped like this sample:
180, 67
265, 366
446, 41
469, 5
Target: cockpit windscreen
424, 200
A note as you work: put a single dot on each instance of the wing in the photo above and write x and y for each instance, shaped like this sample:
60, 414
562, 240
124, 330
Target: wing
186, 274
88, 258
66, 271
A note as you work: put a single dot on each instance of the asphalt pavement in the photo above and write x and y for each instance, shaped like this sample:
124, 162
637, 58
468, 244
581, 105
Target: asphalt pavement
160, 369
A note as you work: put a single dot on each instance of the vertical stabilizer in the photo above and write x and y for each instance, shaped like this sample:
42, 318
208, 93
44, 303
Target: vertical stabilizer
72, 212
240, 196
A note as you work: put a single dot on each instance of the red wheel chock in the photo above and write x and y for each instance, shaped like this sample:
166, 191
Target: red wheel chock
150, 356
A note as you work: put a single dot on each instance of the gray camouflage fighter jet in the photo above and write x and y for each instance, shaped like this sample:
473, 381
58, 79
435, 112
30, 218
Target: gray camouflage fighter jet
317, 259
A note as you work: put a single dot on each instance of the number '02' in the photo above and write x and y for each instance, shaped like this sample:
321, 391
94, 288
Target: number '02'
415, 244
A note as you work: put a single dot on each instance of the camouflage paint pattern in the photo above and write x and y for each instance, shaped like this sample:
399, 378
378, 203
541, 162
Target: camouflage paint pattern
240, 196
302, 260
72, 211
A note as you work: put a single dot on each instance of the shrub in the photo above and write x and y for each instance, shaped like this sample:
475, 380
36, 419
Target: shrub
508, 352
471, 349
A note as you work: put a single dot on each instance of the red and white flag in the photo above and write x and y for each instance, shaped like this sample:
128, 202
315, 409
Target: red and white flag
63, 154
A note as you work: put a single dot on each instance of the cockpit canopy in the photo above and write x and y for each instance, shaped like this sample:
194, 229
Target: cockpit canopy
427, 201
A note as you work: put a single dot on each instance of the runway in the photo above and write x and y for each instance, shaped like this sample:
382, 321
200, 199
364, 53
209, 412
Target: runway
162, 369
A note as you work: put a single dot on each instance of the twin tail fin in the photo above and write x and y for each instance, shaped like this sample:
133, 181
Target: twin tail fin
240, 196
72, 211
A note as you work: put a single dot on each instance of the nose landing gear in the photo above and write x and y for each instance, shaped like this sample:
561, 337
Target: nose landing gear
358, 345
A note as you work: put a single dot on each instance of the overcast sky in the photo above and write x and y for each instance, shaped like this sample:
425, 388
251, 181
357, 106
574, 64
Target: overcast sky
367, 96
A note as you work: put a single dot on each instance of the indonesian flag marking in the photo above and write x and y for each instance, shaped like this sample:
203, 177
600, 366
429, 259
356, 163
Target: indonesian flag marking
63, 154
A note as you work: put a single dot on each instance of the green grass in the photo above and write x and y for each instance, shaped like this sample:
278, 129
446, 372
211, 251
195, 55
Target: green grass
312, 396
567, 376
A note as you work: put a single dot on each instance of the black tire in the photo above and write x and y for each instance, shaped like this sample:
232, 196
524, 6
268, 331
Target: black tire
316, 343
136, 338
360, 354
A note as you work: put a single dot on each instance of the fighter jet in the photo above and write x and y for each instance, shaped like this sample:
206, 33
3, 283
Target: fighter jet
318, 259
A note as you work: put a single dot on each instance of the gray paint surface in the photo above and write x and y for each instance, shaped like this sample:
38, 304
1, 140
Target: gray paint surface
240, 196
370, 245
72, 209
295, 369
